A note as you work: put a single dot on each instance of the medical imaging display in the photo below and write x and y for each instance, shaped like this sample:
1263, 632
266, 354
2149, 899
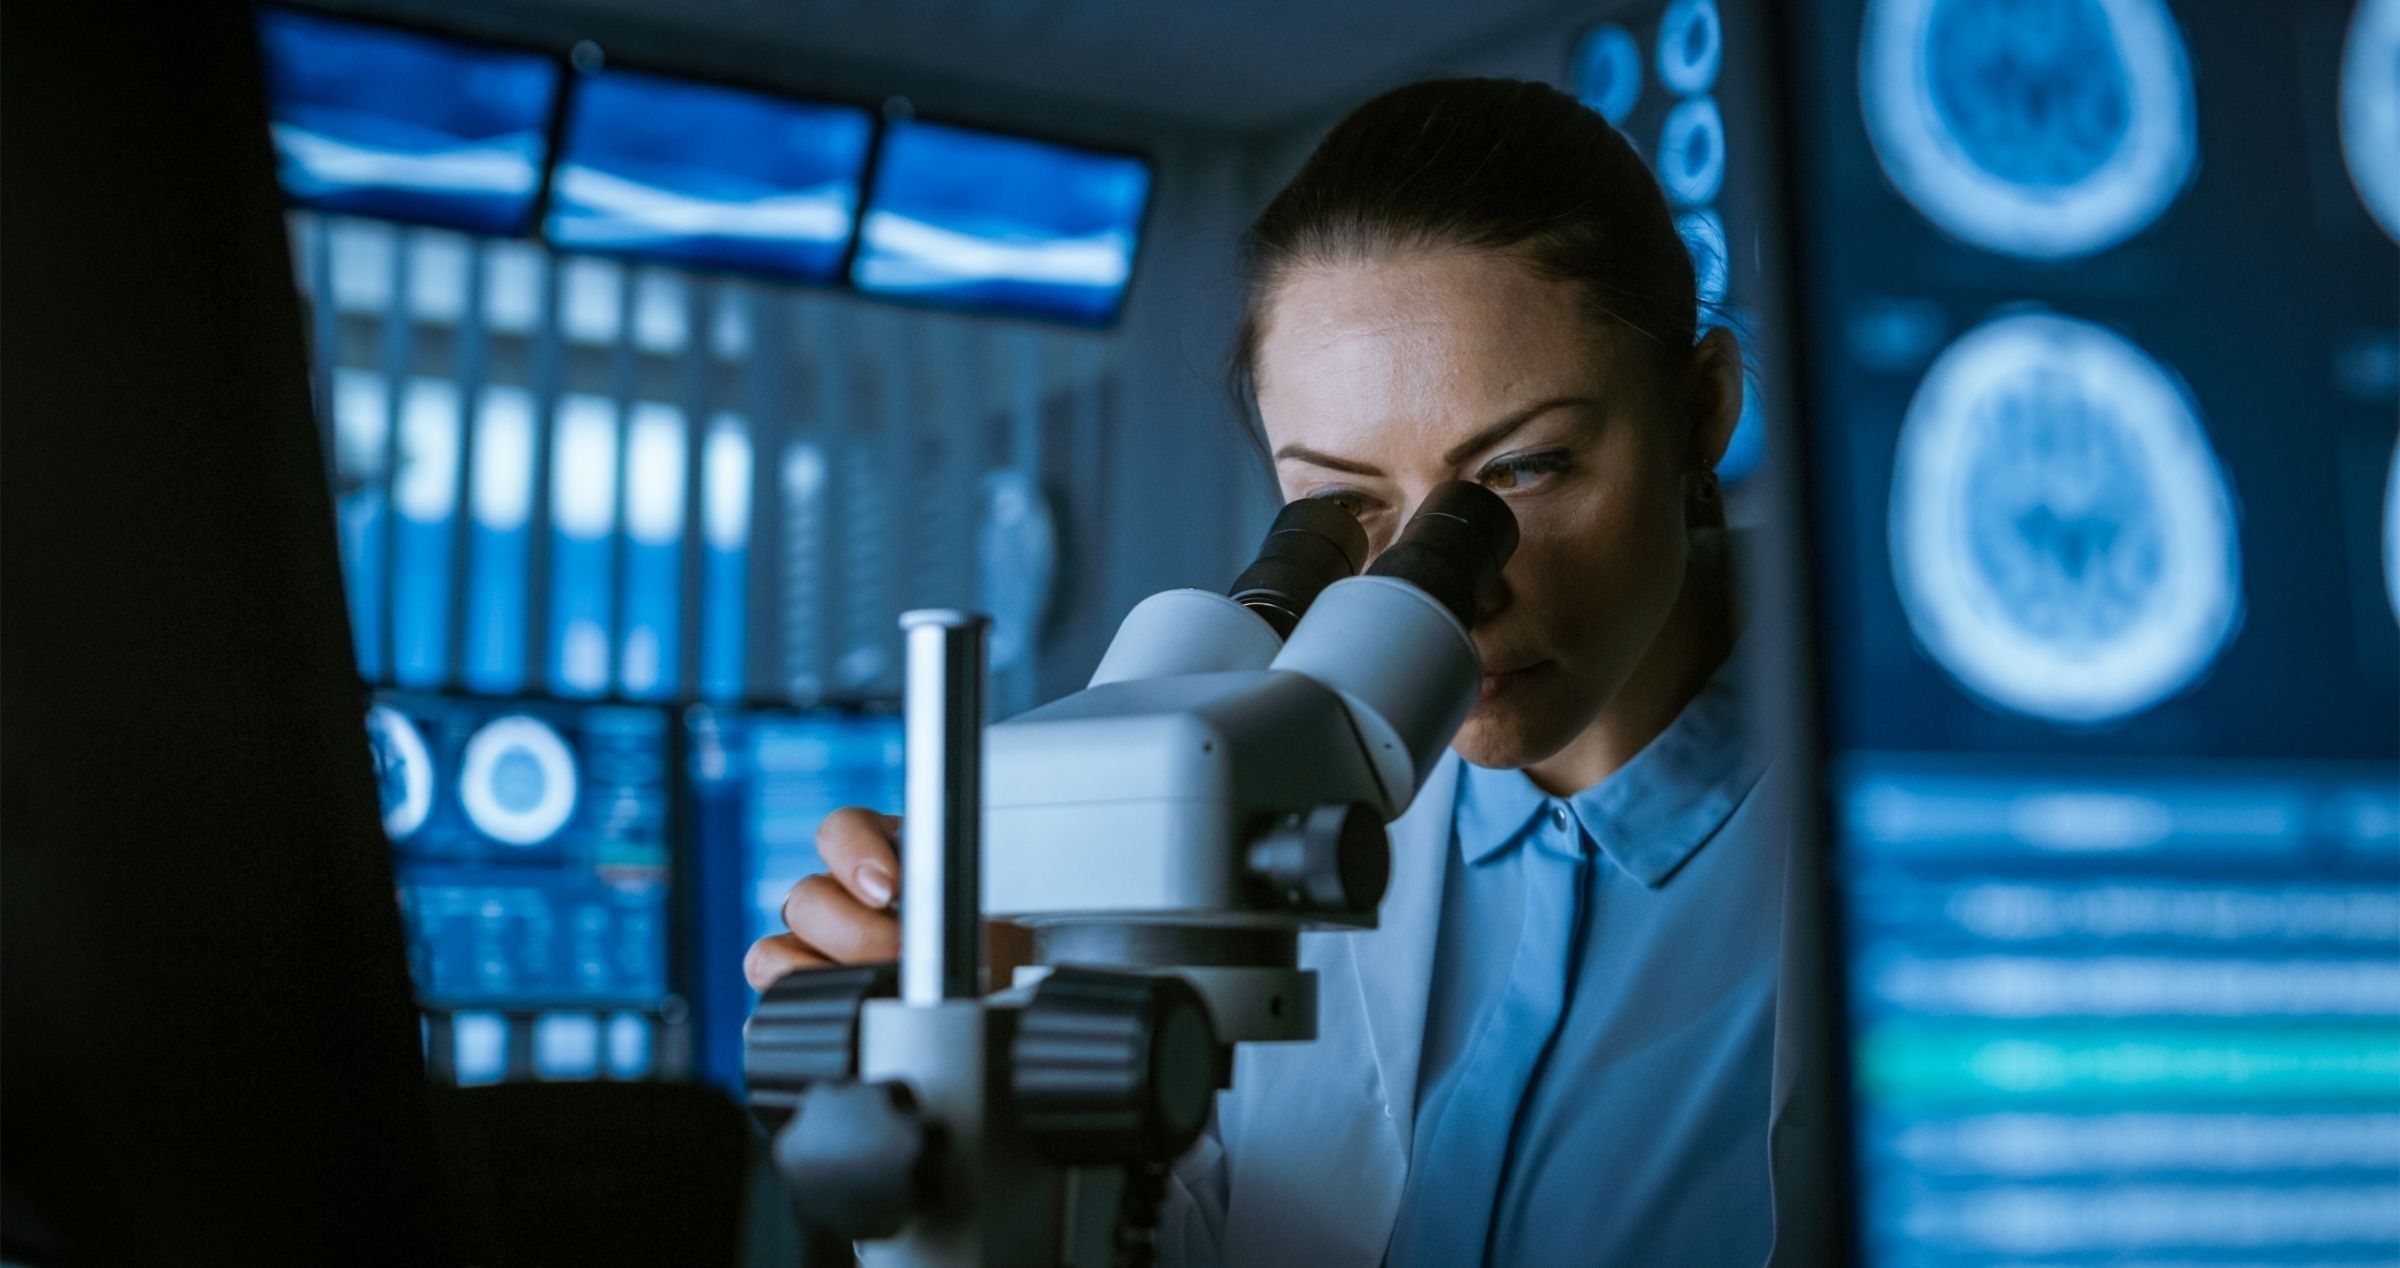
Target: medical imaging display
761, 781
2108, 653
1607, 71
2047, 129
977, 220
708, 176
2062, 536
1684, 80
2370, 109
531, 843
376, 121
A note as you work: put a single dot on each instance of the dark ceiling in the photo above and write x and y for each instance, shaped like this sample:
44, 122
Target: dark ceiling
1098, 67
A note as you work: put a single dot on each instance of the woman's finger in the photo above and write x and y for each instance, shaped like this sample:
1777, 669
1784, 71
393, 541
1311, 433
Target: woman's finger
771, 958
835, 924
857, 845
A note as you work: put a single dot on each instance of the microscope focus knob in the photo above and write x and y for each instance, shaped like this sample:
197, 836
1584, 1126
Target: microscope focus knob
805, 1032
860, 1159
1330, 859
1113, 1067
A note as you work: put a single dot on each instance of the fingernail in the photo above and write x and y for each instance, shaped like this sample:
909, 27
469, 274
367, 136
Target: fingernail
876, 882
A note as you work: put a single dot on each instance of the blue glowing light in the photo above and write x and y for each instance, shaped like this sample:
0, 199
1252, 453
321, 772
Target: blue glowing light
1691, 152
1608, 72
709, 175
2046, 129
1747, 447
379, 122
1691, 46
2371, 109
985, 221
2062, 535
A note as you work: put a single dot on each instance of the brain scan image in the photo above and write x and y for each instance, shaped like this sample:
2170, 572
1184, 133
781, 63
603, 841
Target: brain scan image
1704, 236
2045, 129
1691, 47
2063, 539
1691, 152
403, 771
1608, 71
2371, 109
516, 780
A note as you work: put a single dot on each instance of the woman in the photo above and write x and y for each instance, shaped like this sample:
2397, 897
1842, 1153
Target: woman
1561, 1045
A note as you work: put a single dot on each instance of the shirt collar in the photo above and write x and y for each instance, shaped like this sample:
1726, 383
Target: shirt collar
1656, 811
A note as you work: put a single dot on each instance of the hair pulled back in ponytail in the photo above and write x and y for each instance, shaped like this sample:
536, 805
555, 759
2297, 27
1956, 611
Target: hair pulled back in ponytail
1487, 164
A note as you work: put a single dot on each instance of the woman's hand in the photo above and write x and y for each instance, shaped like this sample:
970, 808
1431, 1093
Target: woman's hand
844, 914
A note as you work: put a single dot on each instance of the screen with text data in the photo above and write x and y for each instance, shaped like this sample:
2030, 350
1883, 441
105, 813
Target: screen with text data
2105, 358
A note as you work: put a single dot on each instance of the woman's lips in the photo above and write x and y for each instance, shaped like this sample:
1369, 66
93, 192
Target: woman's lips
1507, 682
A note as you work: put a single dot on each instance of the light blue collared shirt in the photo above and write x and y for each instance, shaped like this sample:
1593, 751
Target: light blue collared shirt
1596, 1081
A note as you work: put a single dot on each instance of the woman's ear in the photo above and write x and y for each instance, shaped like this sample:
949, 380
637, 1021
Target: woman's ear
1716, 397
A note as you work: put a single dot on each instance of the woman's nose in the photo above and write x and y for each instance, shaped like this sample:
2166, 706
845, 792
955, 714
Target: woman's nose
1494, 601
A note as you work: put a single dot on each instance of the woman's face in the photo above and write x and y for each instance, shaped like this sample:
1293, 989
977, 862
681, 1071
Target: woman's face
1378, 380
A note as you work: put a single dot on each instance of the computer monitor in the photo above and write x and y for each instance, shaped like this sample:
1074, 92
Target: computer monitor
532, 842
708, 175
379, 121
971, 219
2102, 374
761, 782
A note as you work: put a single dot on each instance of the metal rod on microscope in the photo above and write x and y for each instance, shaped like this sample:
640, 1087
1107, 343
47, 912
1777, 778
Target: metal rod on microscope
941, 845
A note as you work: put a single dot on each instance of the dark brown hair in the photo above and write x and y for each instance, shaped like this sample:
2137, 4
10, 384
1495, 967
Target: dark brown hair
1490, 164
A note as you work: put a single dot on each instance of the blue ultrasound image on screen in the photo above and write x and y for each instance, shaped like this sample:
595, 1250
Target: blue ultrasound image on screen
972, 219
2040, 128
380, 122
708, 175
530, 841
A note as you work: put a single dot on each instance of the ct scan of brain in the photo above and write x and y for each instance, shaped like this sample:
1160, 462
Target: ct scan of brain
1691, 46
1608, 72
516, 780
1691, 152
2045, 129
2371, 109
403, 771
2063, 539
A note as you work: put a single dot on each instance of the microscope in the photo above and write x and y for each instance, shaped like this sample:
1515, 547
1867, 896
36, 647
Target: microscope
1167, 833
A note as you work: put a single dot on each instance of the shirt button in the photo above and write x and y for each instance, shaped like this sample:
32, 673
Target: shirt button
1558, 816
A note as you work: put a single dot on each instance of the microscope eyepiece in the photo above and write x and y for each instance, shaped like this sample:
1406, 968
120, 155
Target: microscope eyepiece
1453, 547
1313, 544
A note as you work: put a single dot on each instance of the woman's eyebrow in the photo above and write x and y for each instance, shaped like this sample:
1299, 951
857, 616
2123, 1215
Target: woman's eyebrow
1485, 439
1502, 429
1317, 457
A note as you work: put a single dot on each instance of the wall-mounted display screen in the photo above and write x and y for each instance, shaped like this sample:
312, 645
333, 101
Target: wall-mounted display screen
979, 220
761, 781
377, 121
531, 842
2110, 669
708, 175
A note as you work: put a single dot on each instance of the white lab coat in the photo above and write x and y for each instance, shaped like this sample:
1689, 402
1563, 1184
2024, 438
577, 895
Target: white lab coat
1306, 1159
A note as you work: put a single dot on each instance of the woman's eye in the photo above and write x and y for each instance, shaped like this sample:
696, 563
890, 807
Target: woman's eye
1519, 471
1355, 503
